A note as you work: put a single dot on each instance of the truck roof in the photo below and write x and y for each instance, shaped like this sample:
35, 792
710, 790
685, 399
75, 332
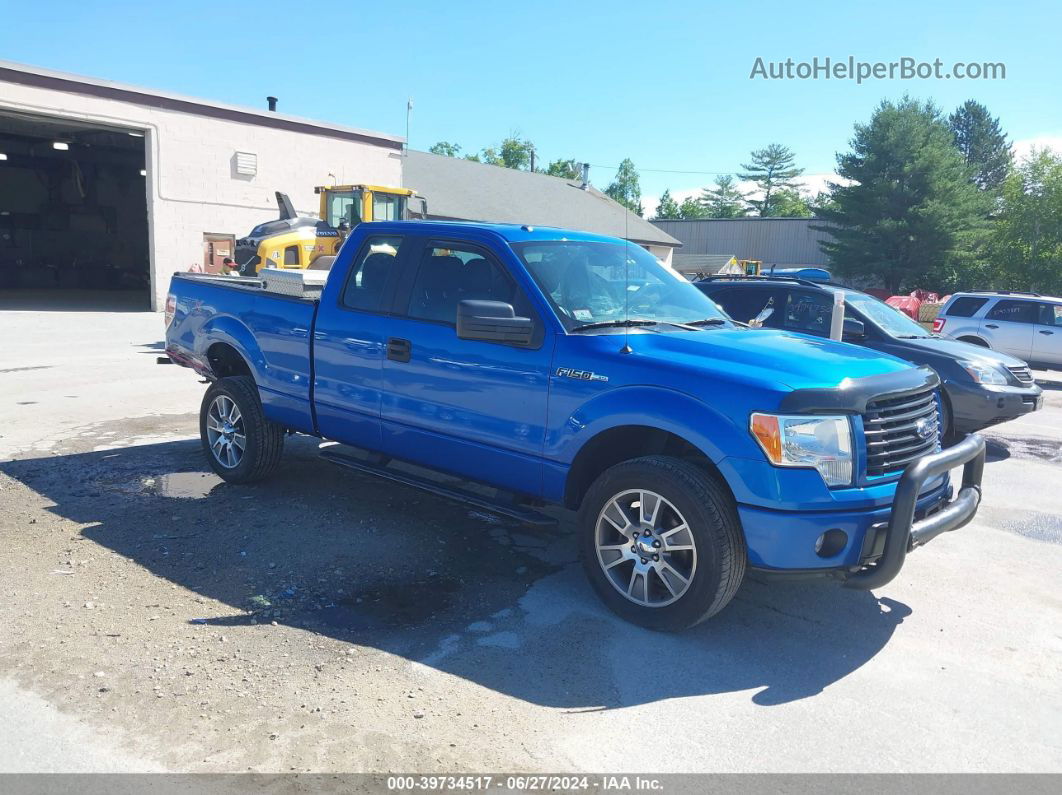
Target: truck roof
513, 233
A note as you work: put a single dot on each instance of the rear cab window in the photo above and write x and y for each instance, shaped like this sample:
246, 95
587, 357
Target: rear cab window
743, 304
372, 270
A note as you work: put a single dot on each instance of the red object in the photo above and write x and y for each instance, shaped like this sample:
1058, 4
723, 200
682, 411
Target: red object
907, 304
925, 296
938, 324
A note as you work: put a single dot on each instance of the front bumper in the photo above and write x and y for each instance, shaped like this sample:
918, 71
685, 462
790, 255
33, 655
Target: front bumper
782, 543
976, 406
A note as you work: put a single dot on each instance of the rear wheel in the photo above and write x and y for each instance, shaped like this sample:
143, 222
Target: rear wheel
661, 542
241, 445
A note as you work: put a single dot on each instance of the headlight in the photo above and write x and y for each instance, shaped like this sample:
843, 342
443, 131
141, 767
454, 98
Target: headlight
984, 373
821, 442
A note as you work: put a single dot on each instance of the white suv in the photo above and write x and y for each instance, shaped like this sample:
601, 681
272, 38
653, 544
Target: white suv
1026, 325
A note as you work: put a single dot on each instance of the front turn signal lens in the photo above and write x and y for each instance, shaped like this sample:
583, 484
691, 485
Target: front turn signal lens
765, 429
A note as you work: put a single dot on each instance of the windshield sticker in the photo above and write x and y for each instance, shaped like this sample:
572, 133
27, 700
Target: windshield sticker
583, 314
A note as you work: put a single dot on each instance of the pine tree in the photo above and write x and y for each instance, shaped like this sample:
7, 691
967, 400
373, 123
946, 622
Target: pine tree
910, 205
668, 208
983, 144
771, 169
725, 200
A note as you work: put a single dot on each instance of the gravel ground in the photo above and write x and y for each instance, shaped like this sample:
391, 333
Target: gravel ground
154, 618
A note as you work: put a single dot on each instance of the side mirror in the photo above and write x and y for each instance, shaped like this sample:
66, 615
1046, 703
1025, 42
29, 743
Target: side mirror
492, 321
759, 320
853, 329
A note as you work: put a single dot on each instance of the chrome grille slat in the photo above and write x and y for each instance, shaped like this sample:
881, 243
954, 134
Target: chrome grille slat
890, 425
1023, 374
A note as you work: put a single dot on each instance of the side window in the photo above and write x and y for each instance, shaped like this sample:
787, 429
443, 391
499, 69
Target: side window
743, 304
965, 306
1014, 311
291, 255
448, 275
368, 276
1051, 314
386, 207
809, 313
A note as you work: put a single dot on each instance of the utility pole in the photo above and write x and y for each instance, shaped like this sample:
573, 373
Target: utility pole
532, 157
409, 110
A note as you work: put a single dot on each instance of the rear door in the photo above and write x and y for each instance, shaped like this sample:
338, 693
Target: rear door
349, 344
1008, 326
470, 407
1047, 336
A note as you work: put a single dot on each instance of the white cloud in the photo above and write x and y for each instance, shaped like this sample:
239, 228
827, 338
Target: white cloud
1023, 147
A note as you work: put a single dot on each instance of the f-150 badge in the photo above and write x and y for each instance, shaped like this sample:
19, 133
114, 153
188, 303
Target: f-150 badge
580, 375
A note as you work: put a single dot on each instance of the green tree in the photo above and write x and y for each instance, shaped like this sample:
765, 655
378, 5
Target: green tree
565, 169
692, 208
910, 205
982, 143
626, 187
1026, 244
668, 208
445, 148
789, 203
724, 200
512, 152
772, 169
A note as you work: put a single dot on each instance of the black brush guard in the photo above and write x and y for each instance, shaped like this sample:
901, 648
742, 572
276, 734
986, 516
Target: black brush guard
903, 533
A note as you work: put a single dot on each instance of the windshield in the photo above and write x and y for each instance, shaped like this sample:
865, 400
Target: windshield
611, 282
345, 206
892, 321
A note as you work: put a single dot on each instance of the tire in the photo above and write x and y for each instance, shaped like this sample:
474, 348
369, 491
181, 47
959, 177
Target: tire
712, 554
948, 437
263, 440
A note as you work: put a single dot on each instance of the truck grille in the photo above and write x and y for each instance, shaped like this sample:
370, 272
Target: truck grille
900, 430
1023, 374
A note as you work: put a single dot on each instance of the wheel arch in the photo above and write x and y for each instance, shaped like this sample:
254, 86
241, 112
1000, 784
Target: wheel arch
232, 347
623, 443
974, 339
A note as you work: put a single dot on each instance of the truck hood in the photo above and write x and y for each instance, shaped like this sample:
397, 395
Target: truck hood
796, 360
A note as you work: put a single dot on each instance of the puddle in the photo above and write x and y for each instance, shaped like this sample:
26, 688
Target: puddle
184, 485
1035, 525
1047, 450
392, 606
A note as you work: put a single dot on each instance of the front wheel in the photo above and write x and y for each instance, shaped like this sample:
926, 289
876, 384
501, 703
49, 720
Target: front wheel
661, 542
241, 445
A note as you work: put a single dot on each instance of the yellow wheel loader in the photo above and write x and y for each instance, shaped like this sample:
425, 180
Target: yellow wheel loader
296, 241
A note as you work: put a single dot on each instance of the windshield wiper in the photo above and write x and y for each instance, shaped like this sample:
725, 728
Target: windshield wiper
628, 323
708, 321
913, 336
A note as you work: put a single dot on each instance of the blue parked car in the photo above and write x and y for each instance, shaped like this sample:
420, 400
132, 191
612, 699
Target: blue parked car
573, 369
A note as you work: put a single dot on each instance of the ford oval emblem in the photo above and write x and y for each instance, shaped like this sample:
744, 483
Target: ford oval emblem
925, 428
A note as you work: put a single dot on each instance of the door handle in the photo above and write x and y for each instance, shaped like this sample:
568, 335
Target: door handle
1047, 332
991, 325
399, 350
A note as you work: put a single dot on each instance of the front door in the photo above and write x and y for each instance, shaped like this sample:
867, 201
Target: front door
471, 407
1008, 327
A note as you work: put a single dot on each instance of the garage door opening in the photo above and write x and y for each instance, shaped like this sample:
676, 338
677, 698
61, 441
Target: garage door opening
73, 215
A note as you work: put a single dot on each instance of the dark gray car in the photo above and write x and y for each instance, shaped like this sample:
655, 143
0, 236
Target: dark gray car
981, 387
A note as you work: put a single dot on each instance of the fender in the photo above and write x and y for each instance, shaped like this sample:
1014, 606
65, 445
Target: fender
690, 418
227, 329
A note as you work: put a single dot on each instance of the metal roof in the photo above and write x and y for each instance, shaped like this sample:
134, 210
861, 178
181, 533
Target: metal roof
462, 189
774, 241
37, 77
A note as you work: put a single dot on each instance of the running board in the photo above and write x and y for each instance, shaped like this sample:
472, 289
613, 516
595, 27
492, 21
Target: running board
513, 511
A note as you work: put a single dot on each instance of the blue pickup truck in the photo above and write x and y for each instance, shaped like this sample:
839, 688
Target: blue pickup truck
547, 366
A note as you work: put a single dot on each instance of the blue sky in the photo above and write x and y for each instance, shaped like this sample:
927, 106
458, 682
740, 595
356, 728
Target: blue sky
666, 84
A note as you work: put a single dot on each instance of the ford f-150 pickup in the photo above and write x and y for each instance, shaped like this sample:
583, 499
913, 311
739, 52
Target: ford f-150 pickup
548, 366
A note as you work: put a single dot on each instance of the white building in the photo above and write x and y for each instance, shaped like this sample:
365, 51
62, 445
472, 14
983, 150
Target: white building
109, 186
